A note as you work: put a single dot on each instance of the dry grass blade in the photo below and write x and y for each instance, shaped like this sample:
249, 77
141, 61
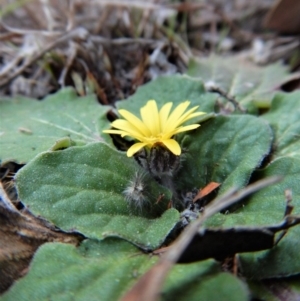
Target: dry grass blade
149, 285
79, 33
4, 199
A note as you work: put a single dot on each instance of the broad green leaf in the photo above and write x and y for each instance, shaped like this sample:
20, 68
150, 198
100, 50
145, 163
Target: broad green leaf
225, 149
272, 199
197, 283
284, 117
29, 127
243, 217
267, 207
95, 271
82, 188
276, 289
259, 291
106, 270
281, 261
174, 89
249, 84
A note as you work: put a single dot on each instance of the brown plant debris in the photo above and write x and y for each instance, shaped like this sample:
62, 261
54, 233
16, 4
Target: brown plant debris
21, 233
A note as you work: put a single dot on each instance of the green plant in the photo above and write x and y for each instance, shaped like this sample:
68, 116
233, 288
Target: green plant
76, 178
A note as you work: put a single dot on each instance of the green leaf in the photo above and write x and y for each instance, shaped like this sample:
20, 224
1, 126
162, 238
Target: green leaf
249, 84
106, 270
243, 217
284, 117
281, 261
29, 127
82, 188
276, 289
94, 271
199, 282
260, 292
272, 198
267, 207
174, 89
225, 149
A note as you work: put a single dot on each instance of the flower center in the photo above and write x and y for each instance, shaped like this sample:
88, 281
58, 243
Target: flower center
154, 139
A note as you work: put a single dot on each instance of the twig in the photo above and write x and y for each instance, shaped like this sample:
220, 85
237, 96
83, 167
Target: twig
124, 41
149, 285
19, 31
288, 210
219, 204
228, 97
48, 14
70, 60
130, 4
78, 33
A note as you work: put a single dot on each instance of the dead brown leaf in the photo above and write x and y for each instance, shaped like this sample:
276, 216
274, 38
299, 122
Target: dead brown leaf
21, 233
284, 17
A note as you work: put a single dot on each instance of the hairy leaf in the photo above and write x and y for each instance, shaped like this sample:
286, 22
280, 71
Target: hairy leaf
264, 208
276, 289
225, 149
106, 270
82, 188
284, 117
249, 84
29, 127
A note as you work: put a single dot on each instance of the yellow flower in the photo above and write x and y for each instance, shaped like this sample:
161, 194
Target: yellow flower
155, 127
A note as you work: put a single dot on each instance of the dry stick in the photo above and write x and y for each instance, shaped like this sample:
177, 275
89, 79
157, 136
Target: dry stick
149, 285
219, 204
131, 4
186, 7
228, 97
71, 15
7, 36
70, 60
288, 211
124, 41
20, 31
78, 33
50, 20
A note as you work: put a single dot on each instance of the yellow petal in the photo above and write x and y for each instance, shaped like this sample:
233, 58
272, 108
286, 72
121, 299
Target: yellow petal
183, 117
190, 111
125, 126
135, 121
149, 114
164, 114
118, 132
173, 146
185, 128
175, 115
123, 133
135, 148
190, 116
